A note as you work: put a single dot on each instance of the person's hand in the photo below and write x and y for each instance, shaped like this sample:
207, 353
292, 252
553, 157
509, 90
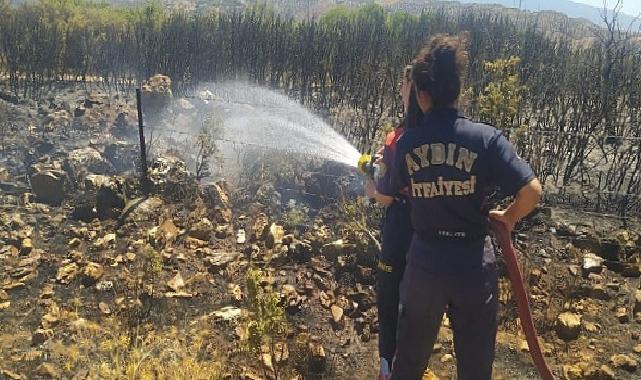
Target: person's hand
370, 189
503, 217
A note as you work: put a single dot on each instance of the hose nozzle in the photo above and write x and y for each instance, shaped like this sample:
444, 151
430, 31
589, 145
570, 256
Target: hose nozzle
366, 165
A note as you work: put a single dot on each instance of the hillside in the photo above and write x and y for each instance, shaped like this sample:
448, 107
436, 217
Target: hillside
569, 8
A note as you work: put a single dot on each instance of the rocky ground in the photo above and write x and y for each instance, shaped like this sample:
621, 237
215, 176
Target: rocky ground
272, 278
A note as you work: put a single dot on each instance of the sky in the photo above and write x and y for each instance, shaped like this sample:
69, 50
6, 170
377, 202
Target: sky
631, 7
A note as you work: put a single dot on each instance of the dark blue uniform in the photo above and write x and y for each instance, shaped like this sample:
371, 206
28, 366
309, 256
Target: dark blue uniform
396, 232
449, 165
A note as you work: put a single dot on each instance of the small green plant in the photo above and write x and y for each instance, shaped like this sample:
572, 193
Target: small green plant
151, 263
206, 148
360, 221
267, 324
295, 217
499, 104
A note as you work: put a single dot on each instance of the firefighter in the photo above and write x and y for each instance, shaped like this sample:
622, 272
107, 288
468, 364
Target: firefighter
396, 232
449, 165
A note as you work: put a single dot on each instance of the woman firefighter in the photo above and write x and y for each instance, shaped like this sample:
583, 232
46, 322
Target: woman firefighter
449, 165
396, 234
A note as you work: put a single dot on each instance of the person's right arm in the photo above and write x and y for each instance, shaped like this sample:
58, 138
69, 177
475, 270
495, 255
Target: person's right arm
515, 177
524, 203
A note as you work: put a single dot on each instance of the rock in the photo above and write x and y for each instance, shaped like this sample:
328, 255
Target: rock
637, 349
301, 251
51, 319
220, 260
235, 292
48, 370
568, 326
625, 269
92, 273
26, 247
79, 111
104, 308
176, 283
260, 227
49, 186
325, 300
447, 358
602, 373
94, 181
171, 178
180, 294
625, 362
317, 357
523, 346
592, 327
598, 291
591, 264
104, 286
3, 295
574, 270
11, 375
141, 210
621, 314
40, 336
67, 273
5, 305
156, 97
217, 194
222, 231
201, 230
277, 353
637, 301
89, 159
334, 249
241, 236
168, 231
574, 372
227, 313
249, 376
195, 244
337, 313
535, 276
122, 155
110, 199
274, 236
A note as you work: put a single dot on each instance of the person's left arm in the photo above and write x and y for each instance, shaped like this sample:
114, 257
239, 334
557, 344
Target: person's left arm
372, 193
381, 190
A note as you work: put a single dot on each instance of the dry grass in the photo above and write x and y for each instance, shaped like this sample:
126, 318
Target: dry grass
109, 352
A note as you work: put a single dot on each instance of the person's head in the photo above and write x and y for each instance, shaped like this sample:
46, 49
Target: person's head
438, 70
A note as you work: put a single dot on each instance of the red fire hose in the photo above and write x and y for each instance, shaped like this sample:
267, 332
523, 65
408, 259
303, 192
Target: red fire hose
523, 306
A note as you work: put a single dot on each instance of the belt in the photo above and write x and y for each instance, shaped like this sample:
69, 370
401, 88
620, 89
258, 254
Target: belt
401, 199
448, 235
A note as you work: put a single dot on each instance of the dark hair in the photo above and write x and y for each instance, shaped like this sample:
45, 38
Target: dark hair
413, 113
439, 67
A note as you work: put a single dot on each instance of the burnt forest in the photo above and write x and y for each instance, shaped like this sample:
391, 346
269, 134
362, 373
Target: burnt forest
180, 197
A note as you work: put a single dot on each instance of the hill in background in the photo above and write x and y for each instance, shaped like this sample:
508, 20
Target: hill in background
569, 8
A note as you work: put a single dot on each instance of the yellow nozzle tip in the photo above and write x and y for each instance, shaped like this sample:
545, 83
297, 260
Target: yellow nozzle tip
363, 161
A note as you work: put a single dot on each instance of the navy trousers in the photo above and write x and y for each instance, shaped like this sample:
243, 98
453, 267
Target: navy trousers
396, 238
457, 275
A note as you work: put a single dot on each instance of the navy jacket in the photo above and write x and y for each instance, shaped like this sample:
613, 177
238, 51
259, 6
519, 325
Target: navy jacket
449, 165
